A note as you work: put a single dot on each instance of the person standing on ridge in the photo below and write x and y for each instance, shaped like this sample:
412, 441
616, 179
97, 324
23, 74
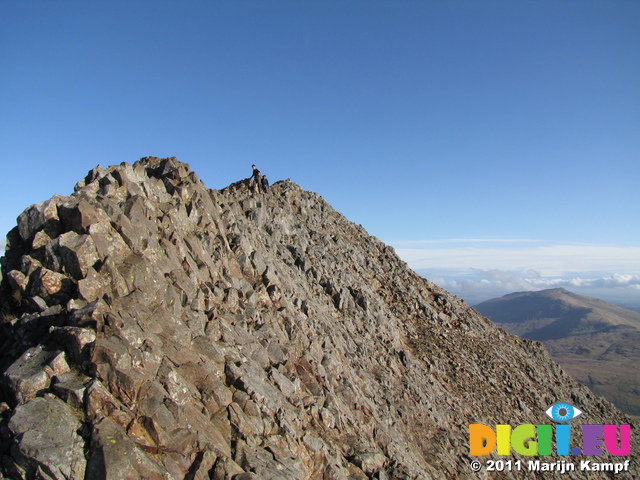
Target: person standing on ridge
256, 177
265, 184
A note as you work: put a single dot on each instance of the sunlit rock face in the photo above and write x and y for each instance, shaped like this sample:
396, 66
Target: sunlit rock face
153, 328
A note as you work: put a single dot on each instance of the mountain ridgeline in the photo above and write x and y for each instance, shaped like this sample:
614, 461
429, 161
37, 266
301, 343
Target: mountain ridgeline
153, 328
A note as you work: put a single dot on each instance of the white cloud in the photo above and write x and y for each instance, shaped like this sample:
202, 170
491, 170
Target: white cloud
479, 269
549, 260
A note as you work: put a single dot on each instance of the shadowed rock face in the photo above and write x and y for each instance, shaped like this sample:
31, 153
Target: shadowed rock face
158, 329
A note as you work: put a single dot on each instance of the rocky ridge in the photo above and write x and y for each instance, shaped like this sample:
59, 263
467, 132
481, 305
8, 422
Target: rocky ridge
154, 329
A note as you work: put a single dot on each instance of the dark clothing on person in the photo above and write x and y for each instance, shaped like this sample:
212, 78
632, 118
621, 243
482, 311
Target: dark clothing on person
256, 178
265, 184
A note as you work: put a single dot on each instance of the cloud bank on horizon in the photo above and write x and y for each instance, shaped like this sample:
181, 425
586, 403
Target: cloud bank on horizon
481, 269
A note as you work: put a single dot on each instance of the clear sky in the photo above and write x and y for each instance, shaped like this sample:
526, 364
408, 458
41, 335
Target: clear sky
494, 144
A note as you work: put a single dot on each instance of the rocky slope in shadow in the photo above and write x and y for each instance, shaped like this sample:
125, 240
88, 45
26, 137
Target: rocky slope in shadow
594, 341
153, 328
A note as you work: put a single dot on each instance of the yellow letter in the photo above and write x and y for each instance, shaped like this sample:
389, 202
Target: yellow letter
503, 432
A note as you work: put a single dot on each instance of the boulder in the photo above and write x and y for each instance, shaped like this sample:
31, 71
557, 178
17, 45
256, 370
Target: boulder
31, 373
47, 429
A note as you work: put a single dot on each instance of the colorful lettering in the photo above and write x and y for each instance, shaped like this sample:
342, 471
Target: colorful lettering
563, 439
482, 440
592, 439
545, 432
611, 440
529, 440
523, 440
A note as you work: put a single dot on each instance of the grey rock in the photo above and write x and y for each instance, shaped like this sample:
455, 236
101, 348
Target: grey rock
115, 456
71, 387
43, 216
49, 442
78, 254
27, 376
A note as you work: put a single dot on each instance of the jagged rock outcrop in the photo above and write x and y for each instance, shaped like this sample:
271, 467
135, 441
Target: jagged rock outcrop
153, 328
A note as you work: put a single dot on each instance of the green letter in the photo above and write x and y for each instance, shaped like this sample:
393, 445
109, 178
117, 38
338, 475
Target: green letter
523, 440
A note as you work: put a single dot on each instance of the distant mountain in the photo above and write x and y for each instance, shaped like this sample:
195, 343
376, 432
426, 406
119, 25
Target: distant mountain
595, 341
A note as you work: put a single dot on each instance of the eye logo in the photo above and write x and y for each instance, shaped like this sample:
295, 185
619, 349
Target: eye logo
563, 412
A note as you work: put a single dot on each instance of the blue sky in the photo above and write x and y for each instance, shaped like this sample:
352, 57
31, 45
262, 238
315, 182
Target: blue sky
494, 144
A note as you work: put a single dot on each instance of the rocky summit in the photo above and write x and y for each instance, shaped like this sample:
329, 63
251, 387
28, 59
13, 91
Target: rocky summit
155, 329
